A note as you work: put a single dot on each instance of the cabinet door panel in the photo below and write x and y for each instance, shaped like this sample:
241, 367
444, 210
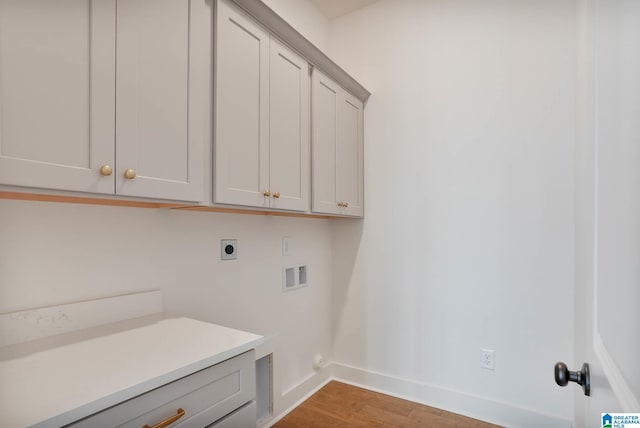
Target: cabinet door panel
337, 149
152, 108
241, 142
349, 156
325, 123
289, 129
57, 93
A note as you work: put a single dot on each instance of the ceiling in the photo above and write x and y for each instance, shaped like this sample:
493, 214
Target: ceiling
335, 8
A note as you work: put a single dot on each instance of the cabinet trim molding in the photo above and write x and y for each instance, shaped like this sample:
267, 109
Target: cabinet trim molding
68, 199
283, 30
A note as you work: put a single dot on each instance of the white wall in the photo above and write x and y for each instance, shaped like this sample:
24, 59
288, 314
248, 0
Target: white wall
468, 237
305, 17
57, 253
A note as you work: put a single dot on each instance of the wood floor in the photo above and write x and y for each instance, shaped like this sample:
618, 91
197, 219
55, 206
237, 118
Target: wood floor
338, 405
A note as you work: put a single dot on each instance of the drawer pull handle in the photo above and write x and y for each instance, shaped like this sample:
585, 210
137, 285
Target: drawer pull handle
168, 421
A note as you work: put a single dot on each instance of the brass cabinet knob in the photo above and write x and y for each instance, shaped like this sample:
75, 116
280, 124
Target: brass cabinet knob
342, 204
346, 204
266, 193
276, 195
129, 174
106, 170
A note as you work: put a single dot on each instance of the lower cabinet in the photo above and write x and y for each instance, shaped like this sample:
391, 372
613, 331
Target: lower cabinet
241, 418
219, 396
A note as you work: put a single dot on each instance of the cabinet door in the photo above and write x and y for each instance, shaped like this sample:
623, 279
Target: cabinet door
349, 155
241, 141
289, 165
325, 98
155, 107
57, 61
337, 149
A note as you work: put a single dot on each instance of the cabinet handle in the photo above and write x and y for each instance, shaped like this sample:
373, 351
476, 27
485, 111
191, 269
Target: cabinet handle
106, 170
346, 204
129, 174
276, 195
266, 193
168, 421
342, 204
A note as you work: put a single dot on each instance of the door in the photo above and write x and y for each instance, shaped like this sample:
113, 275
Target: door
289, 139
338, 176
241, 138
159, 153
57, 62
349, 156
608, 208
325, 133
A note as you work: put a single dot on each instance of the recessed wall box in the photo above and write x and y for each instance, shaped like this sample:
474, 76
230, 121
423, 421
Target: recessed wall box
294, 277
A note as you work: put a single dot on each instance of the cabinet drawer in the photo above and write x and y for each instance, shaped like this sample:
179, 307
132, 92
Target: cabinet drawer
241, 418
205, 396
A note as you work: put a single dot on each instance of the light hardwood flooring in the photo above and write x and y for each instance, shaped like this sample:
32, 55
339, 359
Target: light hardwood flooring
338, 405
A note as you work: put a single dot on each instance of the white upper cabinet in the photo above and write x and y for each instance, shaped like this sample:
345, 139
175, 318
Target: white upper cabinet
261, 142
289, 142
114, 97
349, 155
78, 109
57, 86
241, 139
338, 168
155, 100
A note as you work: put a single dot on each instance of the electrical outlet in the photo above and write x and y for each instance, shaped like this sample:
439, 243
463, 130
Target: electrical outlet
487, 360
228, 249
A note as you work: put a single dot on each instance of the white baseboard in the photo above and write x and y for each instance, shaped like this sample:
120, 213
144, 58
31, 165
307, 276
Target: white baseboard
480, 408
304, 390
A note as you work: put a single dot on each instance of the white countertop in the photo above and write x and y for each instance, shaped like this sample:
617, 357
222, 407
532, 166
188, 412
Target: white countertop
57, 380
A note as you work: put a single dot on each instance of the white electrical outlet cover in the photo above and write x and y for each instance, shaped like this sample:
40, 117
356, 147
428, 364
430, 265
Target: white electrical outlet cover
487, 359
